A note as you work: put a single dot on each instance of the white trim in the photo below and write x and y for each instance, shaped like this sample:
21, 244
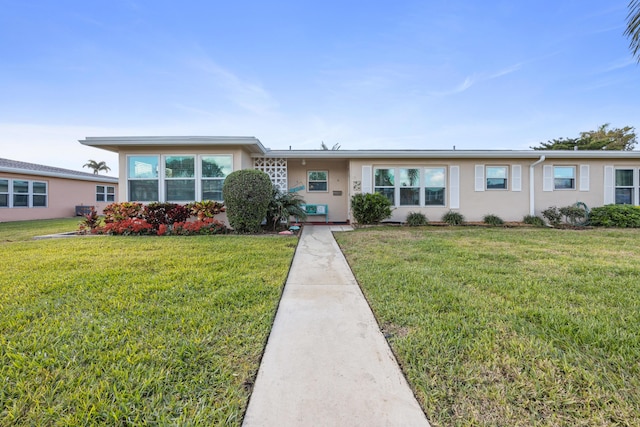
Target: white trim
609, 185
516, 178
454, 187
584, 177
547, 178
479, 178
367, 178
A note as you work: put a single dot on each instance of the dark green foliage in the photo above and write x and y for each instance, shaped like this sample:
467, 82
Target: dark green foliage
624, 216
574, 214
492, 220
165, 213
453, 218
552, 215
601, 139
416, 219
246, 195
370, 208
633, 28
533, 220
283, 206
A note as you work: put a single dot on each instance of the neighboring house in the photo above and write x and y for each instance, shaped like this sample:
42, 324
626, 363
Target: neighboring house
510, 184
30, 191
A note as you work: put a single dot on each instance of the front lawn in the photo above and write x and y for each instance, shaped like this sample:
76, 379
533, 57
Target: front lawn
508, 327
134, 330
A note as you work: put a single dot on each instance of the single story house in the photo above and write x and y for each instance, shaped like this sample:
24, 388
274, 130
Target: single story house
30, 191
507, 183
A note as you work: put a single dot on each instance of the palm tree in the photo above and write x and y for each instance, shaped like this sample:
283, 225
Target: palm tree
324, 146
96, 166
633, 27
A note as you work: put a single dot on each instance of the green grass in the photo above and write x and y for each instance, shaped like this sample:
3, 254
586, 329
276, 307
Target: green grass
134, 330
509, 327
26, 230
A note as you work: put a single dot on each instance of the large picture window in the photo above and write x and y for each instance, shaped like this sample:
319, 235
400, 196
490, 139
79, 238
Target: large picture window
412, 186
179, 178
143, 178
214, 171
434, 186
384, 183
409, 181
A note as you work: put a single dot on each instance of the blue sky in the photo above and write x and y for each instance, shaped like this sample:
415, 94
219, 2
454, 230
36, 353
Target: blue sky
423, 74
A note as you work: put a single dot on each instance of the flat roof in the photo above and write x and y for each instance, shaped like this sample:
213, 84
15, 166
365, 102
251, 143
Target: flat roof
113, 143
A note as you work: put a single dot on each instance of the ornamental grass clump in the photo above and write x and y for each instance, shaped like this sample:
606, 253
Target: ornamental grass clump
416, 219
494, 220
453, 218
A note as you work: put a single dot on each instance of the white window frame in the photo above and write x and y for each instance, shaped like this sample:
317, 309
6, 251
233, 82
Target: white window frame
108, 193
6, 193
30, 193
575, 177
166, 179
635, 187
158, 175
448, 170
487, 178
414, 187
325, 181
201, 178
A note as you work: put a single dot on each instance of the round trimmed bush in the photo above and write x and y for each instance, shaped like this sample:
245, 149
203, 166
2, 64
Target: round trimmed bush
247, 193
370, 208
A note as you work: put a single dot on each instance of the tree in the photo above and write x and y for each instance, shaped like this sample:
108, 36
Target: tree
96, 166
601, 139
633, 27
334, 148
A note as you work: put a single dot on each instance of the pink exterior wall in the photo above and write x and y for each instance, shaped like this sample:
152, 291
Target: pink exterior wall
62, 198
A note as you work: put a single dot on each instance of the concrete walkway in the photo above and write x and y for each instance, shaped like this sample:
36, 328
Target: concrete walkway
326, 362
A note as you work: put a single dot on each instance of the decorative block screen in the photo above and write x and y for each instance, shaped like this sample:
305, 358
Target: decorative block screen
275, 168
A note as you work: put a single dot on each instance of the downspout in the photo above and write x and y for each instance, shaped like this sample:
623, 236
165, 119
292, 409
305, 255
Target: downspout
532, 190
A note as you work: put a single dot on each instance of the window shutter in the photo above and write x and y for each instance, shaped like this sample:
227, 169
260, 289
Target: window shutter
584, 177
547, 178
454, 187
609, 189
479, 177
366, 179
516, 178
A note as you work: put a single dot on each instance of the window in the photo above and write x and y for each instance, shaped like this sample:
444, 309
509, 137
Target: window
497, 177
20, 194
384, 183
625, 188
317, 181
434, 186
179, 178
409, 181
214, 171
142, 178
105, 193
411, 186
4, 193
39, 194
564, 177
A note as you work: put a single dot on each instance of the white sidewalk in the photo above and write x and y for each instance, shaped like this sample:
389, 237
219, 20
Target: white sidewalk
326, 362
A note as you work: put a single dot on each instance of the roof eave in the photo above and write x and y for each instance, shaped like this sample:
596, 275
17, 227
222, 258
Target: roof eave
116, 143
97, 178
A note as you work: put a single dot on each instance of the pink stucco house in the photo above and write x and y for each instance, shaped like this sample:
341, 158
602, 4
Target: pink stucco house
30, 191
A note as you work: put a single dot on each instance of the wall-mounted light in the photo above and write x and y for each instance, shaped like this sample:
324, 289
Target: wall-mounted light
304, 162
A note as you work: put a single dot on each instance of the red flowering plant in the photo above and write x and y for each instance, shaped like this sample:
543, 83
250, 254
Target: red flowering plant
120, 211
129, 226
206, 226
205, 209
90, 223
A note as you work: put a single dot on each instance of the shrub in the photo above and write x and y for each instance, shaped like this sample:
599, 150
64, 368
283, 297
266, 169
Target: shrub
552, 215
165, 213
247, 193
205, 209
574, 214
491, 219
206, 226
90, 223
453, 218
129, 226
533, 220
416, 219
284, 205
124, 210
624, 216
370, 208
